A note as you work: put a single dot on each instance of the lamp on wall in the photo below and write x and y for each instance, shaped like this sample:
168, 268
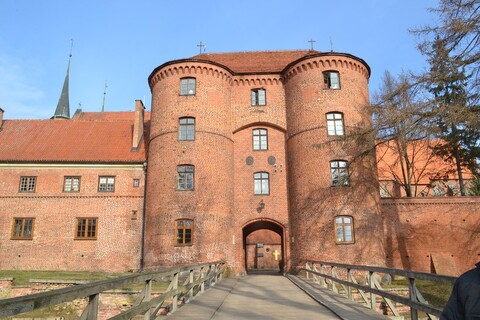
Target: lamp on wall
261, 205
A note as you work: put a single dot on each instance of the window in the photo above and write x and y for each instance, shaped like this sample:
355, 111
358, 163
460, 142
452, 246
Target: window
27, 184
261, 183
184, 231
258, 97
185, 175
22, 228
71, 184
86, 228
260, 139
344, 229
335, 124
136, 183
331, 80
186, 129
187, 87
106, 184
339, 170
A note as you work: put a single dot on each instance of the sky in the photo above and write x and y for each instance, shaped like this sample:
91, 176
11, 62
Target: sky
120, 42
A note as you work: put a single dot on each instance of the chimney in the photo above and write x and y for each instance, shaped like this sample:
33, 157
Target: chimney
138, 125
1, 117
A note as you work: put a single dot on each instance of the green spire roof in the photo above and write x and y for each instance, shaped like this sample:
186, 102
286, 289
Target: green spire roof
63, 106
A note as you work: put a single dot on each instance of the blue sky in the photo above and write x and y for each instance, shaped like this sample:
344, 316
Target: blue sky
121, 42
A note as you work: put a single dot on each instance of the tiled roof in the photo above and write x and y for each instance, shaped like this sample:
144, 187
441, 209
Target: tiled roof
70, 140
256, 61
108, 116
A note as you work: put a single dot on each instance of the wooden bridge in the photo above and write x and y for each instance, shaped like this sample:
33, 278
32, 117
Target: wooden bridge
327, 292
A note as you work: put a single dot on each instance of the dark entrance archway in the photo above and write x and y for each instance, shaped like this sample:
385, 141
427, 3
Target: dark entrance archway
263, 245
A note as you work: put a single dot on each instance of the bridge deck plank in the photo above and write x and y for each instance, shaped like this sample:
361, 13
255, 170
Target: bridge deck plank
257, 297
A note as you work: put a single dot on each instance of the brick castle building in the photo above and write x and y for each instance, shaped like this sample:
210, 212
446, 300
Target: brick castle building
251, 157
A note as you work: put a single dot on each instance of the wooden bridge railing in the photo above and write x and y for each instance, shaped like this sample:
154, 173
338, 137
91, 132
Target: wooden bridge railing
343, 275
194, 279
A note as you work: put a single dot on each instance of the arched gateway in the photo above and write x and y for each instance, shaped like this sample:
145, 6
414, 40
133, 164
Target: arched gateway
264, 246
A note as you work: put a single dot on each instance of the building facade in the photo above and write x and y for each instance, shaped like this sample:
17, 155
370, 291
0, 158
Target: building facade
256, 158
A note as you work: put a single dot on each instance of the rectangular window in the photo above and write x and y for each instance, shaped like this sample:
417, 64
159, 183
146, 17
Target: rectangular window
331, 80
106, 184
71, 184
339, 171
335, 124
260, 139
187, 86
185, 177
27, 184
136, 183
344, 229
86, 228
259, 97
184, 232
186, 129
23, 228
261, 183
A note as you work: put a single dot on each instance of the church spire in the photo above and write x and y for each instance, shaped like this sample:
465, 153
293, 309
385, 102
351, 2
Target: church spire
63, 106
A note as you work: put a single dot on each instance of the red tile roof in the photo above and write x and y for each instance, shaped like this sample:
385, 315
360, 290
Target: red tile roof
80, 141
256, 61
108, 116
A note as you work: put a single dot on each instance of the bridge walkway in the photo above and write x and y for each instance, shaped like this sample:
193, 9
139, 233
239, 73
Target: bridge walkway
256, 297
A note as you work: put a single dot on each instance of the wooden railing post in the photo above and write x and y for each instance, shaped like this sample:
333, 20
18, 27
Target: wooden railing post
91, 311
349, 289
175, 288
190, 281
202, 276
412, 292
371, 283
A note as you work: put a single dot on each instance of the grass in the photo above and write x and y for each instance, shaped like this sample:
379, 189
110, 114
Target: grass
436, 294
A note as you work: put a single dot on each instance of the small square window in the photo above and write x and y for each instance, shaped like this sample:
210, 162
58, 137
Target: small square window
331, 80
86, 229
22, 228
259, 97
187, 87
71, 184
106, 184
27, 184
136, 183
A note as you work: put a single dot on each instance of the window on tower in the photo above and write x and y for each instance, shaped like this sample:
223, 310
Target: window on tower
339, 172
185, 177
335, 124
187, 87
259, 97
344, 230
260, 139
331, 80
184, 232
186, 128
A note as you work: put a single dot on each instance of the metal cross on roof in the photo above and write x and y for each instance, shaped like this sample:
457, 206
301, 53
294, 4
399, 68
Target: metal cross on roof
201, 46
311, 43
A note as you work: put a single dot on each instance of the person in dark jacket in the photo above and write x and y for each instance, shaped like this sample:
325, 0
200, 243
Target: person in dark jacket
464, 302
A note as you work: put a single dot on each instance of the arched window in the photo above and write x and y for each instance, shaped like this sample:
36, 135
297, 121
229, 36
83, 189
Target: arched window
335, 124
339, 172
344, 229
261, 183
331, 80
186, 128
260, 139
187, 86
185, 177
184, 232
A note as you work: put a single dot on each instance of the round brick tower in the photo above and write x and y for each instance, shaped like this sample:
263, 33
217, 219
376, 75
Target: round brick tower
333, 194
190, 163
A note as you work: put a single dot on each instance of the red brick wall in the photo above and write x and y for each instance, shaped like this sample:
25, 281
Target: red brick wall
313, 201
443, 229
53, 246
210, 205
